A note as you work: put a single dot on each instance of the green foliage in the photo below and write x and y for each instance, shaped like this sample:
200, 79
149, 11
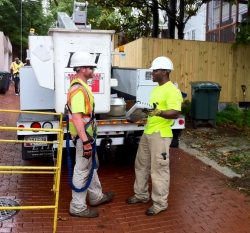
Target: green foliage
138, 20
214, 154
231, 115
235, 158
93, 14
186, 108
243, 34
66, 6
108, 21
10, 25
247, 117
234, 117
32, 15
235, 144
131, 23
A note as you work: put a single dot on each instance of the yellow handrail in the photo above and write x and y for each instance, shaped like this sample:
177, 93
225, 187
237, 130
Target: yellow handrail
55, 170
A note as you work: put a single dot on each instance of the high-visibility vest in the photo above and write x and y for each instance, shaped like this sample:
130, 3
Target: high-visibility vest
15, 67
89, 116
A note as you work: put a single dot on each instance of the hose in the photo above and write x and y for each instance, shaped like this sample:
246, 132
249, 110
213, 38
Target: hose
69, 163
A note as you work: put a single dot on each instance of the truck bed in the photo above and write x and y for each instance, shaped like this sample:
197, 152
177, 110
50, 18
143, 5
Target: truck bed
23, 117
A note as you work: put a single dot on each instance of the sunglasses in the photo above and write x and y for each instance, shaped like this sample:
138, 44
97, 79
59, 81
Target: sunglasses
90, 67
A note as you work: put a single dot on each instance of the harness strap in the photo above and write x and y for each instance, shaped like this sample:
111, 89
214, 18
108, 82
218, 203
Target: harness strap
85, 94
69, 162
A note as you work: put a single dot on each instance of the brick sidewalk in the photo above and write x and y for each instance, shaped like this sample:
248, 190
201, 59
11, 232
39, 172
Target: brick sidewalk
199, 199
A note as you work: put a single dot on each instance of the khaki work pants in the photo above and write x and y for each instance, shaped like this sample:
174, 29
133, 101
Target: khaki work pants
81, 174
150, 161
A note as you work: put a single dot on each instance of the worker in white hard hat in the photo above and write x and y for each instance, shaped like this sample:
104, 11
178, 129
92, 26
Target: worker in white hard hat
82, 127
27, 61
152, 157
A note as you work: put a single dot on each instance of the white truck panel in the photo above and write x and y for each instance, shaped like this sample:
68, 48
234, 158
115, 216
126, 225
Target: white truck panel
42, 61
33, 96
135, 82
98, 43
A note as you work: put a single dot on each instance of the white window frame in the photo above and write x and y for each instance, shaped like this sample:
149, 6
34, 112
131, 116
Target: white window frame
190, 34
193, 34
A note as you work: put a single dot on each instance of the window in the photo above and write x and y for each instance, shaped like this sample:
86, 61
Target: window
216, 3
203, 32
190, 35
193, 34
187, 36
226, 22
244, 16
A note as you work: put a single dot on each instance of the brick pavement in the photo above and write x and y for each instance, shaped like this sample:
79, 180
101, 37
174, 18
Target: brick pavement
199, 199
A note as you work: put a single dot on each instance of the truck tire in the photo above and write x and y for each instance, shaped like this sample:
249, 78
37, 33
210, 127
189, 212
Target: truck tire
175, 140
102, 153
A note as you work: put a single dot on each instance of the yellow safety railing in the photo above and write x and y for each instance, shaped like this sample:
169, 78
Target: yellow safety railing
56, 169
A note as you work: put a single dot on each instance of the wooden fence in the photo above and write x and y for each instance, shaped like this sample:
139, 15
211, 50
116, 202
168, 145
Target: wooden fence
195, 61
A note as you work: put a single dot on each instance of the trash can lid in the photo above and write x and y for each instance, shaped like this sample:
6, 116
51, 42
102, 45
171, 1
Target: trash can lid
205, 85
4, 72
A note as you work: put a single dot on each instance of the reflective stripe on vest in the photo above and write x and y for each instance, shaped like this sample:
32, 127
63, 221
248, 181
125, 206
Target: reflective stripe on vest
85, 118
15, 67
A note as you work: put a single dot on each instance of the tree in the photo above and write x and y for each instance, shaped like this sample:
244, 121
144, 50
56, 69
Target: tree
177, 12
134, 16
171, 19
10, 26
155, 18
243, 34
32, 16
67, 6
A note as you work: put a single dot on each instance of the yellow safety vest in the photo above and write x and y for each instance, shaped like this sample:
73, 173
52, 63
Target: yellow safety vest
74, 88
15, 67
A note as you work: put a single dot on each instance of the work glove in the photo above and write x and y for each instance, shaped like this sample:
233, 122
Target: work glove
87, 150
152, 112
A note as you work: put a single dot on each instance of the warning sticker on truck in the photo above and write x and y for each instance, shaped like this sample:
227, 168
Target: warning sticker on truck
96, 83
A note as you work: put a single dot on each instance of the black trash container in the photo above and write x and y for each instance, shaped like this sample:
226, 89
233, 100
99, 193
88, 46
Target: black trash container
204, 103
8, 81
4, 81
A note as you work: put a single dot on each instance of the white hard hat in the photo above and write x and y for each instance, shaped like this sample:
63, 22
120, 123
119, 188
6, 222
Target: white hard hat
27, 58
162, 63
82, 58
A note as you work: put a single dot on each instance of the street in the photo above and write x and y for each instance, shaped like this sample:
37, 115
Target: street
199, 199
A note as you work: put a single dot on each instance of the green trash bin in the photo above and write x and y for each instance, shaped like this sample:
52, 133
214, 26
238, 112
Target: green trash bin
204, 103
4, 81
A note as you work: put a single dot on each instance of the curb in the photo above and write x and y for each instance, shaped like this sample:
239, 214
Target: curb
224, 170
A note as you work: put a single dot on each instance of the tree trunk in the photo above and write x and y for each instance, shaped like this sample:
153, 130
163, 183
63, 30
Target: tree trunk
155, 19
180, 28
181, 25
171, 19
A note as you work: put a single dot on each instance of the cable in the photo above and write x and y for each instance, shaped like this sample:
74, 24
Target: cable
69, 162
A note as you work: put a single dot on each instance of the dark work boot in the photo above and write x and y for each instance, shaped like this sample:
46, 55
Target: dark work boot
107, 197
153, 211
88, 213
134, 200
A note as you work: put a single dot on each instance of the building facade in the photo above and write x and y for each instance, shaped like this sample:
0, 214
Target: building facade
223, 18
195, 28
5, 52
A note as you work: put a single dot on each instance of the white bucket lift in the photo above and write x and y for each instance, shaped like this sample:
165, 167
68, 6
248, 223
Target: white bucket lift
78, 19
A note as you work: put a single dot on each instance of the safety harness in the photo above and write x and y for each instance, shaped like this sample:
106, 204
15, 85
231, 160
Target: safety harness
93, 143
